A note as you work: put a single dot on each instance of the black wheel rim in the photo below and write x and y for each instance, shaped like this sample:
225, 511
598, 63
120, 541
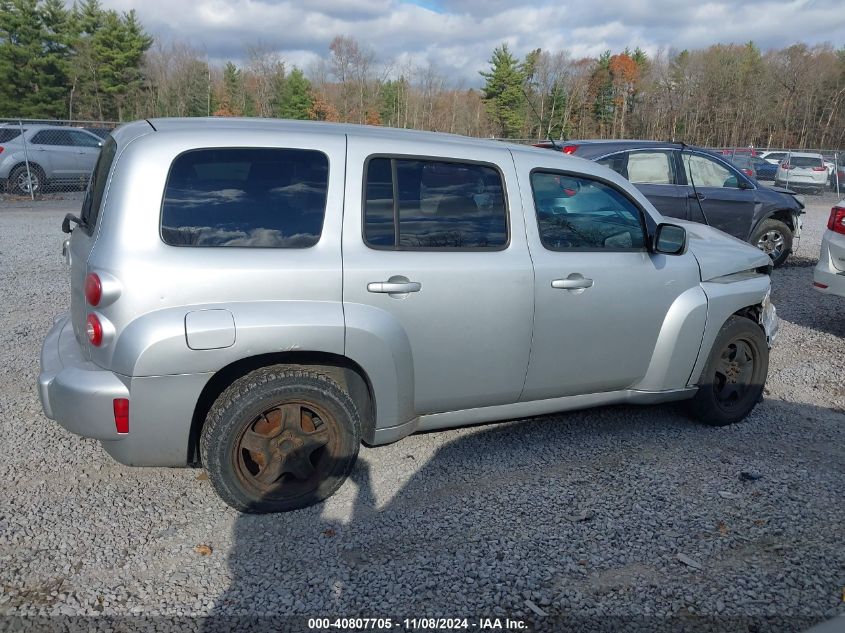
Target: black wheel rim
287, 450
734, 373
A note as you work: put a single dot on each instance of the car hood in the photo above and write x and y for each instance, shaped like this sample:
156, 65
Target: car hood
798, 197
720, 254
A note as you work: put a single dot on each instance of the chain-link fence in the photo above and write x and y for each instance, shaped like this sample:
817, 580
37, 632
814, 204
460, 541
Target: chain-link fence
41, 158
44, 159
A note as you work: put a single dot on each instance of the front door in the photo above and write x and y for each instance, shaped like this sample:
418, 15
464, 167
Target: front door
715, 196
434, 252
601, 296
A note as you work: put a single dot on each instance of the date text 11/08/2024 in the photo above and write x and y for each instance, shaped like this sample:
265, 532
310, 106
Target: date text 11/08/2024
416, 624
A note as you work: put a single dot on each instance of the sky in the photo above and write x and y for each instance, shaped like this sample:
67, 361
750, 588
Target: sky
458, 36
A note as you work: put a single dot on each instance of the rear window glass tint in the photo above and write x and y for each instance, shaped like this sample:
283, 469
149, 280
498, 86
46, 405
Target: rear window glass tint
97, 185
259, 198
8, 134
806, 161
429, 204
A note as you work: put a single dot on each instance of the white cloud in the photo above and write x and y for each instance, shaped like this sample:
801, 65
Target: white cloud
459, 35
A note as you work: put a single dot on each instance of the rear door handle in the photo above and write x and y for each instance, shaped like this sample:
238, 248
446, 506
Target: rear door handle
394, 287
572, 283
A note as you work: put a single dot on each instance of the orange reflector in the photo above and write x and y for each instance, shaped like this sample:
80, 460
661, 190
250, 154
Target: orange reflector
121, 415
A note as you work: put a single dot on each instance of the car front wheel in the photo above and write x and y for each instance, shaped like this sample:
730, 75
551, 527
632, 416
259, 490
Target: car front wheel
774, 238
732, 381
280, 439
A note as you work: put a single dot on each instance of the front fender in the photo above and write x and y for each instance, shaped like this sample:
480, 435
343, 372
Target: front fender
678, 343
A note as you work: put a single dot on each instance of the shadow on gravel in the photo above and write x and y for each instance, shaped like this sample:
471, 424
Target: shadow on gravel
570, 522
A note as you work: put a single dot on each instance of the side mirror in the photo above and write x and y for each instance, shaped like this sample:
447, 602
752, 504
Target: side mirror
670, 239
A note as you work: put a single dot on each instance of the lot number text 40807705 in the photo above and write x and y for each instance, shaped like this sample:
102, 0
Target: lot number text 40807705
416, 624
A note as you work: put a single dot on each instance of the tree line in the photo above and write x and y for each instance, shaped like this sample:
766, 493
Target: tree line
89, 63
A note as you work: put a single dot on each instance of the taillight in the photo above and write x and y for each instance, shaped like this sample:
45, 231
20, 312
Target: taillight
93, 289
836, 221
569, 149
786, 165
822, 168
94, 330
1, 149
747, 172
121, 415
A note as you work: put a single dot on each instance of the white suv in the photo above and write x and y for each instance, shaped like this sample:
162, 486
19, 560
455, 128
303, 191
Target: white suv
802, 170
829, 274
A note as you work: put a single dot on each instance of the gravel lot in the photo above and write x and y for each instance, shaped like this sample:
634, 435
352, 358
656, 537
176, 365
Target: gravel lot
583, 515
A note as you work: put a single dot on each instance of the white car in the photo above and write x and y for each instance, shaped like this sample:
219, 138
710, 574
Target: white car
802, 170
829, 273
775, 158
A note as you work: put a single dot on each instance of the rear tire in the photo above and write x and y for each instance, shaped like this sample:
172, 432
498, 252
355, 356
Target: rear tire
732, 382
774, 238
280, 439
22, 183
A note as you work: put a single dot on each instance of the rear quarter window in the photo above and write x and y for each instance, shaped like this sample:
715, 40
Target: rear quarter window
240, 197
8, 134
97, 186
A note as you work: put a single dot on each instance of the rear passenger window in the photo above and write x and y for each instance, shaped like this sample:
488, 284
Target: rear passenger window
428, 204
574, 212
258, 198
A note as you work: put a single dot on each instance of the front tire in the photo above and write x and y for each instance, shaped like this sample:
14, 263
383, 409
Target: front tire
280, 439
732, 382
774, 238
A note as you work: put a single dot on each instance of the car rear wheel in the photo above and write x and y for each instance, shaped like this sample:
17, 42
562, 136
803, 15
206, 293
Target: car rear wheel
23, 182
280, 439
774, 238
732, 381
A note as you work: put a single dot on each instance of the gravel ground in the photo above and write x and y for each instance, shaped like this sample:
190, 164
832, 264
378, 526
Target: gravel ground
583, 517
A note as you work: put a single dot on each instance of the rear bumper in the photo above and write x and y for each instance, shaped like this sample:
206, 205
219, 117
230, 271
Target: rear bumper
830, 271
75, 392
79, 395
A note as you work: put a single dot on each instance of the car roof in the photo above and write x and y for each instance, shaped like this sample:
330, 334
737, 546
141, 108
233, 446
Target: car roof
806, 154
325, 127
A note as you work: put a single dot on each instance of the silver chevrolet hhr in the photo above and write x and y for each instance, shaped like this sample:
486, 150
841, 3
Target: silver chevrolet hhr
261, 296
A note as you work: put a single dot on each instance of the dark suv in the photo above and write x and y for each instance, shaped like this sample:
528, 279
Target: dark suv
691, 183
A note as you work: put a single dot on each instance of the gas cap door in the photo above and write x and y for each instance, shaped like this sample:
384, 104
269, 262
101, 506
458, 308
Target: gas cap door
210, 329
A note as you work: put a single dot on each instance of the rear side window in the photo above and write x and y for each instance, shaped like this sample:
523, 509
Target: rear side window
412, 204
255, 198
7, 134
97, 186
579, 213
643, 167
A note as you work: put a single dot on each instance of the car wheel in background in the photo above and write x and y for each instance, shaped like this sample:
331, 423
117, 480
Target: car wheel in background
733, 379
23, 182
774, 238
280, 439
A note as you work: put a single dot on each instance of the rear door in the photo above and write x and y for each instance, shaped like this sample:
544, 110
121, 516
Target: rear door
434, 250
715, 195
653, 172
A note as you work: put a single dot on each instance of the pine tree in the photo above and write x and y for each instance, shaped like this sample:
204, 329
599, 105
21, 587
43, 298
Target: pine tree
54, 63
294, 99
231, 98
503, 92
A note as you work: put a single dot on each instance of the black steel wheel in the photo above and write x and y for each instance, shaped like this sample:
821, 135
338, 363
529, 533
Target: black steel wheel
732, 382
279, 439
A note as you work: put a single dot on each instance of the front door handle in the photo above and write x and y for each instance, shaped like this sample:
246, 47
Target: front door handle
573, 282
394, 287
697, 194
